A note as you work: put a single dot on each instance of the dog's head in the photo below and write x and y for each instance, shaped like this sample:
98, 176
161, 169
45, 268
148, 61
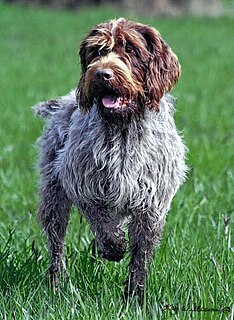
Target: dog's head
126, 67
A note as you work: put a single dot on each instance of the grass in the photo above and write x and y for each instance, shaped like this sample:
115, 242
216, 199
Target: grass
192, 273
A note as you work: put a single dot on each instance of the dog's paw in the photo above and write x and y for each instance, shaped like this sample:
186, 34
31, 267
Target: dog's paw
134, 294
56, 275
111, 249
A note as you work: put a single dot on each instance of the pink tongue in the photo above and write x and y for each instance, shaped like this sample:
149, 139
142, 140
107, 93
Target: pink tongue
110, 102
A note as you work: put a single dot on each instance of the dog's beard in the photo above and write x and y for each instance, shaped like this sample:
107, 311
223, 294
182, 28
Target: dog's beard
118, 108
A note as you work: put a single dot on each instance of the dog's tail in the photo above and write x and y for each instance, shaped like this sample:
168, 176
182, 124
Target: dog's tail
47, 109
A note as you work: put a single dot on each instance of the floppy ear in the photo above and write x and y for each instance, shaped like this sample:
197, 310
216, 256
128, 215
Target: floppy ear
83, 101
163, 70
87, 50
87, 54
83, 53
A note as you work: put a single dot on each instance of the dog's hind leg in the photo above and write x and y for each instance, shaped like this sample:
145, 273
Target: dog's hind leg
144, 233
54, 206
54, 209
109, 236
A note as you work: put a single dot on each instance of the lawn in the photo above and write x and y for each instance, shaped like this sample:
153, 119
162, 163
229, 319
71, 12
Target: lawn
192, 274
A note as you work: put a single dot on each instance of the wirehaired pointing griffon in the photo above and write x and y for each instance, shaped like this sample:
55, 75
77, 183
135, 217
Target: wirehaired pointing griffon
111, 147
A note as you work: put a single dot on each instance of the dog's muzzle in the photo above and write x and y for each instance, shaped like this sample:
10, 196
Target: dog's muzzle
110, 97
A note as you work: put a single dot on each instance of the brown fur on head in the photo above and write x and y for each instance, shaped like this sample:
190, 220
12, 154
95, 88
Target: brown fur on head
125, 66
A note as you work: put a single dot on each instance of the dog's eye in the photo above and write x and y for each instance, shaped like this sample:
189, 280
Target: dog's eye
129, 48
103, 51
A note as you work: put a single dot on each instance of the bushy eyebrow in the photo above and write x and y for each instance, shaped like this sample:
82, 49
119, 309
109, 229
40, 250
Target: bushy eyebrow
100, 40
136, 41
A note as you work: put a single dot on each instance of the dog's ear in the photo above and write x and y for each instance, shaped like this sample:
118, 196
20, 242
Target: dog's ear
88, 47
81, 98
83, 54
164, 68
87, 53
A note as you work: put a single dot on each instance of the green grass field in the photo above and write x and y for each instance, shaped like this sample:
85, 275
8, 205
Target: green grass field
192, 276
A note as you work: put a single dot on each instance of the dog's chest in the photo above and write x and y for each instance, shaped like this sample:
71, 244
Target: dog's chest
111, 168
122, 170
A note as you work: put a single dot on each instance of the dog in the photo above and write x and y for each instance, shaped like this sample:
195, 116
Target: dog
111, 148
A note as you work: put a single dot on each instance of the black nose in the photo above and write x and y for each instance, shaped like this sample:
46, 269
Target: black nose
103, 74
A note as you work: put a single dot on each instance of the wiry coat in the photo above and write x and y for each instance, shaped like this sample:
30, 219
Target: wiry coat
110, 171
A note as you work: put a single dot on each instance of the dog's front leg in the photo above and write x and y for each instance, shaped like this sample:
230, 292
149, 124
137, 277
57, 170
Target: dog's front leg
144, 233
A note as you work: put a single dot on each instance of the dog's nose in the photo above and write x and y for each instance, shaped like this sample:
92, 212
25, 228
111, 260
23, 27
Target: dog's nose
103, 74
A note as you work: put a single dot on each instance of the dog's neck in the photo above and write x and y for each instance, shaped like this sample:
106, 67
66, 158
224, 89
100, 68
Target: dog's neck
115, 122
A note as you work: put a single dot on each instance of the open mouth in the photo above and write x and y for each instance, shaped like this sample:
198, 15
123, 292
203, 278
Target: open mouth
116, 102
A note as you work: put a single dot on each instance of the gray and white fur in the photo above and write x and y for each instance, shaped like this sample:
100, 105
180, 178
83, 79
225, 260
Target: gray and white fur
109, 173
